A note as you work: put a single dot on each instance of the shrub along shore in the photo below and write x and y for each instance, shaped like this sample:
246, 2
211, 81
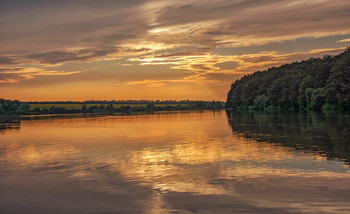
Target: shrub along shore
15, 107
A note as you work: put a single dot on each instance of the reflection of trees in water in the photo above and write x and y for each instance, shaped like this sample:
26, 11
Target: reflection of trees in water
9, 123
327, 135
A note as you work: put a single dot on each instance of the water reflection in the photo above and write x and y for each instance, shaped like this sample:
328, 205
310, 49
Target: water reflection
185, 162
326, 135
9, 123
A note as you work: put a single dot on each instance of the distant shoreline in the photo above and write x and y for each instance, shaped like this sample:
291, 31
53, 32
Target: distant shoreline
10, 108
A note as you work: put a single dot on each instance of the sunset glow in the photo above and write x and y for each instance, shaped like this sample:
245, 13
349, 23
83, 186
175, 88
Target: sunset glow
149, 49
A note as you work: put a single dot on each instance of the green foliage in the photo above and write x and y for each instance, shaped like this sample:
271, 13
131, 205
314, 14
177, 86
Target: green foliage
261, 102
2, 111
14, 107
84, 108
310, 84
11, 107
111, 108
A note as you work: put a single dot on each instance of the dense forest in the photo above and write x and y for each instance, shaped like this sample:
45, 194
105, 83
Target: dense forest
313, 84
15, 107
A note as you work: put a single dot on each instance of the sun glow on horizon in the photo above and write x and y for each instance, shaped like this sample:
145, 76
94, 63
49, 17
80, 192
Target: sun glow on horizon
158, 50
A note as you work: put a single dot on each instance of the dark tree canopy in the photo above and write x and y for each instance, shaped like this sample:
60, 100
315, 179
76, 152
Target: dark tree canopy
310, 84
10, 107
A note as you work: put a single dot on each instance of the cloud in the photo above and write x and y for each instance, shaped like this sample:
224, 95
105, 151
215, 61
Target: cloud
47, 32
4, 60
54, 57
245, 23
222, 77
211, 69
232, 64
344, 40
185, 51
14, 75
6, 75
158, 83
48, 25
192, 41
227, 65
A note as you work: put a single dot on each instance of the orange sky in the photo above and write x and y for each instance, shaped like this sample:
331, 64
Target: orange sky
150, 49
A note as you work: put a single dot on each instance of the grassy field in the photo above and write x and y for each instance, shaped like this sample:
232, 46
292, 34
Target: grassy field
78, 106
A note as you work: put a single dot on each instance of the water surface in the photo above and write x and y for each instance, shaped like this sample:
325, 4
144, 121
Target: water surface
177, 162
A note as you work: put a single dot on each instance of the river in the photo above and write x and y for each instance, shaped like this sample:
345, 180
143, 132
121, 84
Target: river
176, 162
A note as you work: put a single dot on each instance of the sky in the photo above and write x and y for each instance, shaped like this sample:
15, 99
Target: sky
157, 49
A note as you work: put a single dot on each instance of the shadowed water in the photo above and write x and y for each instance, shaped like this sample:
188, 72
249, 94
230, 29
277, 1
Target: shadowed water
178, 162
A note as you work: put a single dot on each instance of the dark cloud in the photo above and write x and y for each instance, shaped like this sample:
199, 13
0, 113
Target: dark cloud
227, 65
257, 59
298, 45
256, 19
205, 10
37, 5
222, 77
48, 25
3, 70
55, 57
8, 78
9, 75
184, 52
45, 26
201, 67
6, 60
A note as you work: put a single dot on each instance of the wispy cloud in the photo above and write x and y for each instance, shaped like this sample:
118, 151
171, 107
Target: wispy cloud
77, 54
215, 68
14, 75
344, 40
197, 38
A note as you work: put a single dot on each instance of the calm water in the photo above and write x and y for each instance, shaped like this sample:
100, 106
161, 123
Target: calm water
184, 162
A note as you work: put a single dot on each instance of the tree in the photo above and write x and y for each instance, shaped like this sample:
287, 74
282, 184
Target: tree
314, 82
84, 108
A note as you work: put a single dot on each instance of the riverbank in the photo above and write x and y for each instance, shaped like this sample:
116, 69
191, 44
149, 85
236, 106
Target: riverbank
13, 108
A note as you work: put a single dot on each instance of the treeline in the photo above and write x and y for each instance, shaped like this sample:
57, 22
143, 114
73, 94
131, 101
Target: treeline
109, 108
314, 84
13, 107
125, 102
9, 107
